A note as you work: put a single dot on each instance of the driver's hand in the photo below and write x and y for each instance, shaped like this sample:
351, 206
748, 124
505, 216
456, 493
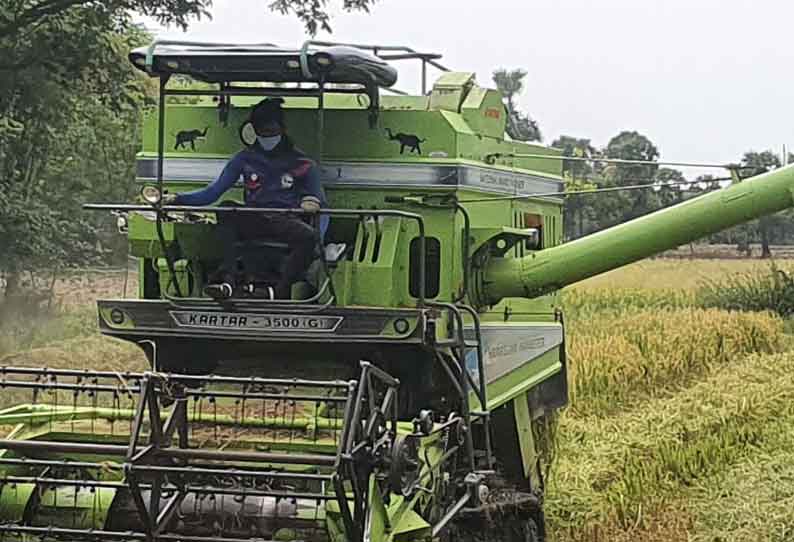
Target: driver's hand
168, 199
310, 204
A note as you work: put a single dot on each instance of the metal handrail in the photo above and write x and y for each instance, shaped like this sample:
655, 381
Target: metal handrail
411, 54
399, 52
426, 58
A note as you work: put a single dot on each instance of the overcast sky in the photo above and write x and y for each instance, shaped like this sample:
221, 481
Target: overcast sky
705, 80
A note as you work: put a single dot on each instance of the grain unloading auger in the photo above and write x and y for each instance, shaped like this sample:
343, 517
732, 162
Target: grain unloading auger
556, 267
406, 392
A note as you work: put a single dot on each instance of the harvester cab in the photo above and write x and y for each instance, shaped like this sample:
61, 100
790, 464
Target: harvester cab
407, 388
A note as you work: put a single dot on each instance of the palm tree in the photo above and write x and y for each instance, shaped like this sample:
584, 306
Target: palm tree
509, 83
519, 126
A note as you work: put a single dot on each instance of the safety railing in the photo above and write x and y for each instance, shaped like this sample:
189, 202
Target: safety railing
360, 213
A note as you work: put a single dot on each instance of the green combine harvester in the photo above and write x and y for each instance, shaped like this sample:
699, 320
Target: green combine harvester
407, 390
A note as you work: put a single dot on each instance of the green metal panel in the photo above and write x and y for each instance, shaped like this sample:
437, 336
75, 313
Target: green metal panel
517, 382
450, 90
458, 123
377, 519
74, 507
347, 134
404, 103
526, 440
484, 112
13, 500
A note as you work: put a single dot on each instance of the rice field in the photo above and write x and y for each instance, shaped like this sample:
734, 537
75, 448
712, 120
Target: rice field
681, 421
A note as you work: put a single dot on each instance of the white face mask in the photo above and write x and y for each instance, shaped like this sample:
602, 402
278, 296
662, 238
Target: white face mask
269, 142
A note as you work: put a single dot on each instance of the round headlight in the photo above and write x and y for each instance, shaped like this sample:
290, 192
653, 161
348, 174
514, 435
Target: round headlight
401, 325
151, 195
117, 317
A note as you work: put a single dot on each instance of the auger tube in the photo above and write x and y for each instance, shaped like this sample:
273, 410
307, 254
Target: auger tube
550, 269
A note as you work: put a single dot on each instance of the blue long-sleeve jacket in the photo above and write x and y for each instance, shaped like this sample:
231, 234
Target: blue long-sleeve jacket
280, 178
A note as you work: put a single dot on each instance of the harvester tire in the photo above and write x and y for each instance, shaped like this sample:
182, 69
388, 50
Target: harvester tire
509, 517
512, 531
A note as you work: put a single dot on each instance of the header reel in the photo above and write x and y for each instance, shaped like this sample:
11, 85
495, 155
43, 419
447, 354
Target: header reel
152, 456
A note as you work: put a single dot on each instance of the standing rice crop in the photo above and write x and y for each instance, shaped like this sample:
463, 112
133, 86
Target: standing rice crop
615, 360
770, 289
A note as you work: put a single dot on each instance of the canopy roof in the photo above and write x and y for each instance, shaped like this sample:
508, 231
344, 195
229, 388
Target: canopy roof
223, 63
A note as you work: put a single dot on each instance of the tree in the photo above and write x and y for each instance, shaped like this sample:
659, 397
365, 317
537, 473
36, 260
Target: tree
632, 146
578, 148
313, 13
577, 175
76, 141
670, 190
520, 126
19, 16
761, 162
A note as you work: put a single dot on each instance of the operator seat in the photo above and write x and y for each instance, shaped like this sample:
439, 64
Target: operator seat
260, 261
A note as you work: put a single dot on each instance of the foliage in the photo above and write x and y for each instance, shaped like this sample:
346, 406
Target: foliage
761, 162
671, 185
576, 148
768, 290
520, 126
21, 17
313, 13
577, 175
589, 212
629, 145
75, 140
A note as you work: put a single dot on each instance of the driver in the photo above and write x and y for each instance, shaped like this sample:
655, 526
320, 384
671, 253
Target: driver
275, 175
